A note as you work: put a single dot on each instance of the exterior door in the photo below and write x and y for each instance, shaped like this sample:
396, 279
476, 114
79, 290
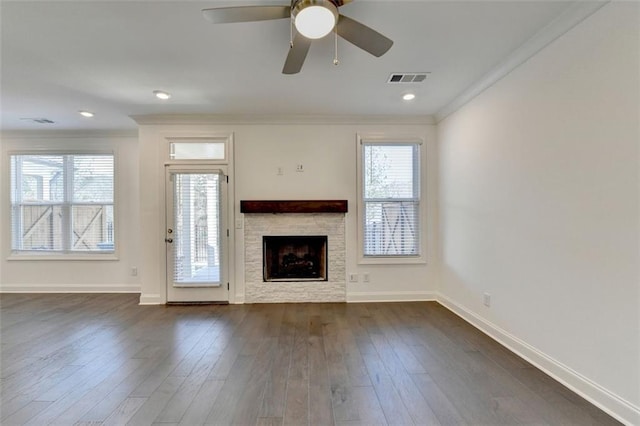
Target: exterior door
196, 234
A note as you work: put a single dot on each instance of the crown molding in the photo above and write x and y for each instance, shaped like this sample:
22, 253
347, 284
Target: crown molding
68, 134
204, 119
575, 14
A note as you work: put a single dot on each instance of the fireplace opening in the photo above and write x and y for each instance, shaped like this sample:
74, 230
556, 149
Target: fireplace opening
295, 258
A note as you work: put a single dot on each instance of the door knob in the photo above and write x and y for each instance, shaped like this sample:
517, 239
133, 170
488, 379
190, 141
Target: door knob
168, 240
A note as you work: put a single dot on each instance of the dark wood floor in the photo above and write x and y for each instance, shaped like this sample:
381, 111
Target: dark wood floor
104, 360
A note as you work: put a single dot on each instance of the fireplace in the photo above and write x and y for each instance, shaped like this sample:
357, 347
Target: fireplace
295, 258
264, 219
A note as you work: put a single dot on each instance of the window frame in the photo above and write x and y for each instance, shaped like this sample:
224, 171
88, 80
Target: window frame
419, 181
67, 205
197, 139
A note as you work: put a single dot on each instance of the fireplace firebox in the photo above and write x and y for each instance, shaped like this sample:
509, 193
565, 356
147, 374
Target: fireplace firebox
295, 258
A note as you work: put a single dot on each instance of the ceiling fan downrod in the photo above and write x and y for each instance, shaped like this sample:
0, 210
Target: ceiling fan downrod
336, 62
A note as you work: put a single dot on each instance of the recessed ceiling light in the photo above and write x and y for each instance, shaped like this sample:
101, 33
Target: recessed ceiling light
408, 96
161, 95
87, 114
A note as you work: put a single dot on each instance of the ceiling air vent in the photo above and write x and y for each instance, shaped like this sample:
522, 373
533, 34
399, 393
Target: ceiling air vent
407, 77
38, 120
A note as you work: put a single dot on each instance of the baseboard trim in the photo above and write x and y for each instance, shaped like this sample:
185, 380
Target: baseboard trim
617, 407
151, 299
390, 296
69, 288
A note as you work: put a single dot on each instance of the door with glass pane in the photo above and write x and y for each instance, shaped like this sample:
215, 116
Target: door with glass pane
196, 234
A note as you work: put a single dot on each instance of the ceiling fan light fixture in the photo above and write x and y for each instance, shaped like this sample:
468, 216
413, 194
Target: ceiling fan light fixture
315, 19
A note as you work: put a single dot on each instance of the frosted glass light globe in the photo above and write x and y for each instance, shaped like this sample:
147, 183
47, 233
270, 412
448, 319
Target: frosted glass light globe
315, 19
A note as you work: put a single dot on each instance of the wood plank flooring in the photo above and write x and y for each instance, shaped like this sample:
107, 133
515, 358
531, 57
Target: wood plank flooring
80, 359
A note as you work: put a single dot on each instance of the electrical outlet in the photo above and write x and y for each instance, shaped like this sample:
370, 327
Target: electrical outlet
280, 171
486, 299
353, 278
239, 223
134, 271
365, 277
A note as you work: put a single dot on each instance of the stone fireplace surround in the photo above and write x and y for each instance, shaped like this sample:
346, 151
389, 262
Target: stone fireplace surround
312, 219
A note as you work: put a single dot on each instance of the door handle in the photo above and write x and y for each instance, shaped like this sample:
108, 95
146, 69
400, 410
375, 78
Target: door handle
168, 240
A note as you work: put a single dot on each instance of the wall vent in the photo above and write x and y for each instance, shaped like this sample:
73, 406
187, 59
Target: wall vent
39, 120
408, 77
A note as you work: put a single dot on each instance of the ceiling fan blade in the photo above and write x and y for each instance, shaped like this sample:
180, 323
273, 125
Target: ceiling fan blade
297, 55
363, 37
225, 15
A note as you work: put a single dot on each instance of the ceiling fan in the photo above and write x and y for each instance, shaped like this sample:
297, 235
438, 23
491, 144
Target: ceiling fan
313, 19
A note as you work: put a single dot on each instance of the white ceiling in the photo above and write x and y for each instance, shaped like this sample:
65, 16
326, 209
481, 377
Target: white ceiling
58, 57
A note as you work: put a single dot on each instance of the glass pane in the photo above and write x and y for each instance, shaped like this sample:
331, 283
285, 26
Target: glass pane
92, 178
196, 241
37, 228
37, 178
62, 203
93, 228
197, 151
391, 229
390, 171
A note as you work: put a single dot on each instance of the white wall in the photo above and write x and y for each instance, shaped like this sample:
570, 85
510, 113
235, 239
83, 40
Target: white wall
539, 193
79, 275
328, 153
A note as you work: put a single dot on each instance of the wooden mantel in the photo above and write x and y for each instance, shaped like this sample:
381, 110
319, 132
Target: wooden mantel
293, 206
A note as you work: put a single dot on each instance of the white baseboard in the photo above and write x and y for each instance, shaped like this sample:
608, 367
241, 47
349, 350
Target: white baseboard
151, 299
619, 408
238, 300
390, 296
69, 288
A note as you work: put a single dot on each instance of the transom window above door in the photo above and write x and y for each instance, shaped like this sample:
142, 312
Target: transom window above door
198, 149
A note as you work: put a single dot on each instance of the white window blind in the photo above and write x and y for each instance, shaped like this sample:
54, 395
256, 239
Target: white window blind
196, 236
62, 203
391, 199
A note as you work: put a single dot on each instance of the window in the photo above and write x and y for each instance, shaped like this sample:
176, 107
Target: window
62, 203
197, 149
390, 191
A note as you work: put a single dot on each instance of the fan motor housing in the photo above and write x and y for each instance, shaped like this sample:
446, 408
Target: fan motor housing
330, 5
336, 3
